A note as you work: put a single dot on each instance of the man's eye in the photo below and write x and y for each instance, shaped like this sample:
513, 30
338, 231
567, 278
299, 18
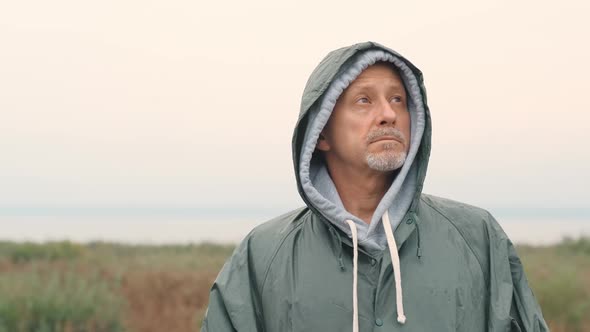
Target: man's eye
362, 100
397, 99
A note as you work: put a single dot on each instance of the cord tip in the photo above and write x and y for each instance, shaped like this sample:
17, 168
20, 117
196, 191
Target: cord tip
401, 319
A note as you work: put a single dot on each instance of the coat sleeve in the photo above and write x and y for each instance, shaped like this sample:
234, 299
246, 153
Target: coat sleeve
234, 301
512, 305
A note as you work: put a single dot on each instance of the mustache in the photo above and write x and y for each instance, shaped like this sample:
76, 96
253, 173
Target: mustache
380, 132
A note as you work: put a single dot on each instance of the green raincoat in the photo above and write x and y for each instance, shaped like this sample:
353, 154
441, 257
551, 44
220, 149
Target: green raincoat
457, 270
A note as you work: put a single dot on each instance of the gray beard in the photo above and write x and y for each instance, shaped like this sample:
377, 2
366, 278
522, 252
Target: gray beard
385, 161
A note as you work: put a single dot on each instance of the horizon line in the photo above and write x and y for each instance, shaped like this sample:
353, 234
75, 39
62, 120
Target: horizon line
242, 211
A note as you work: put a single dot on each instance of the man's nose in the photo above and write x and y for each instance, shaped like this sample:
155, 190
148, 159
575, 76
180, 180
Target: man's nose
387, 115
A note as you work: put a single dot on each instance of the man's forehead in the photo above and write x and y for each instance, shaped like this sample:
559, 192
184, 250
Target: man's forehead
380, 74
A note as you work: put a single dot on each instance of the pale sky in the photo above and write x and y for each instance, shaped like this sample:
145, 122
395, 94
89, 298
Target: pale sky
193, 104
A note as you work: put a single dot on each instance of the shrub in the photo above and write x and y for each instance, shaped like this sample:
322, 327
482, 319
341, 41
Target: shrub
580, 246
29, 251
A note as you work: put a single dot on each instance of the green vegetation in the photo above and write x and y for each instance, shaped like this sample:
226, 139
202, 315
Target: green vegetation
560, 278
69, 287
28, 251
57, 301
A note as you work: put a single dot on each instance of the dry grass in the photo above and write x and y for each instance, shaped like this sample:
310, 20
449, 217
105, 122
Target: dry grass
166, 288
160, 288
168, 300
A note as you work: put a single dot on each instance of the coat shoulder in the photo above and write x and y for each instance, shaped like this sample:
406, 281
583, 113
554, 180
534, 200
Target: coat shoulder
476, 226
453, 209
465, 217
265, 240
271, 233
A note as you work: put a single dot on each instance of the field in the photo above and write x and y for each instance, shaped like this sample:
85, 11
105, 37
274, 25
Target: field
69, 287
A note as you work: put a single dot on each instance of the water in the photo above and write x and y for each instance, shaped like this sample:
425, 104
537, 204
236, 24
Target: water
127, 229
177, 229
544, 231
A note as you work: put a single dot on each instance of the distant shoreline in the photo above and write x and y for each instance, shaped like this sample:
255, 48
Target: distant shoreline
179, 230
220, 213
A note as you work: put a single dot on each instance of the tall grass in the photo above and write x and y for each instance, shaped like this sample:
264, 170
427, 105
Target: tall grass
52, 301
29, 251
68, 287
560, 279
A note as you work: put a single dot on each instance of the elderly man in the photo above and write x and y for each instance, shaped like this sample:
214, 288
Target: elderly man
370, 251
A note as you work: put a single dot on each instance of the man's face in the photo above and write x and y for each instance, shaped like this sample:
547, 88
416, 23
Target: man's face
370, 124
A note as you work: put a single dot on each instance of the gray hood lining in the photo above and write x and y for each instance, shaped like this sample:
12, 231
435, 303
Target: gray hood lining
315, 179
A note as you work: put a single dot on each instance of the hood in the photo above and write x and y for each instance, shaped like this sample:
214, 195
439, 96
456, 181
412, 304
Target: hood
329, 79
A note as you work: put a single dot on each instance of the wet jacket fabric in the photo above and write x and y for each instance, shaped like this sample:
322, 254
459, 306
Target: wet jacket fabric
319, 268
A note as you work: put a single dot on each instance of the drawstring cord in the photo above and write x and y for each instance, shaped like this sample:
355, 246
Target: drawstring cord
401, 317
340, 243
355, 313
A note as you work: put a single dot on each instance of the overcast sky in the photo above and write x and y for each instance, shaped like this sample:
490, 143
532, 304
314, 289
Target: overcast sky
192, 104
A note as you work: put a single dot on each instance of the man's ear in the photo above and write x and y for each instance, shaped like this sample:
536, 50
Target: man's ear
323, 144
